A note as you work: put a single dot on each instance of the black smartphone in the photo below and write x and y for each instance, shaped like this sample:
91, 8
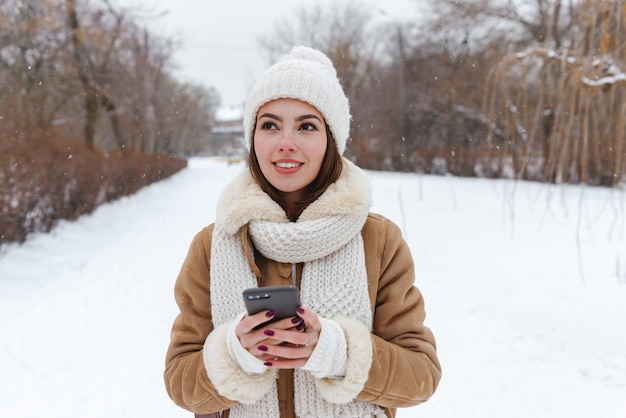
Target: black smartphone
284, 300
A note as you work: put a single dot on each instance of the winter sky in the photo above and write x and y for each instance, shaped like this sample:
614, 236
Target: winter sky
220, 38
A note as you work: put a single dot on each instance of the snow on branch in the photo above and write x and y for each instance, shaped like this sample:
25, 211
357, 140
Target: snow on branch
605, 80
612, 73
546, 53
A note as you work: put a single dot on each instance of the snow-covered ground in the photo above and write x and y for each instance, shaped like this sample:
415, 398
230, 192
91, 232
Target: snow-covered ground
525, 286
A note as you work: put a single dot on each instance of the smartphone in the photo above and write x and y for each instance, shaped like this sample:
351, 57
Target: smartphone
284, 300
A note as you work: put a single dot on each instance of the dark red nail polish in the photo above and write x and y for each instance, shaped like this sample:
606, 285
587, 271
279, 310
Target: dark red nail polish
268, 364
301, 326
296, 320
262, 348
300, 310
270, 314
268, 332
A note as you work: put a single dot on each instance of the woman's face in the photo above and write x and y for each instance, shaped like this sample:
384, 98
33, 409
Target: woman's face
290, 143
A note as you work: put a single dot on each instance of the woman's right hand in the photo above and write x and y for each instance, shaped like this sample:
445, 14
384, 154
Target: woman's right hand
251, 339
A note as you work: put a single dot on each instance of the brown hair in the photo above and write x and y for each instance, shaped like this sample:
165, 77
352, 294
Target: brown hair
332, 164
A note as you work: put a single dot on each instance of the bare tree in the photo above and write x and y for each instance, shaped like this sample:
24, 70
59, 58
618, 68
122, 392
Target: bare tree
65, 64
32, 41
94, 96
511, 21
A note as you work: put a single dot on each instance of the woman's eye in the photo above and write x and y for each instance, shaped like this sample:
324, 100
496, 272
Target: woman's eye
308, 127
266, 126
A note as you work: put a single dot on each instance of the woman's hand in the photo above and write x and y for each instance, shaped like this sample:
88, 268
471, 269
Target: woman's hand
285, 344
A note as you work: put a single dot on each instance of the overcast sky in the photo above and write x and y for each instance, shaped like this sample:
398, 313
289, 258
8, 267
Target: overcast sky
220, 38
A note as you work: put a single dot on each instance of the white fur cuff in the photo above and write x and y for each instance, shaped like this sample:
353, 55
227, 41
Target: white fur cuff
358, 364
230, 380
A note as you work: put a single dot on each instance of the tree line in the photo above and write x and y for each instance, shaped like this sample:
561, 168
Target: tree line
89, 71
529, 89
89, 110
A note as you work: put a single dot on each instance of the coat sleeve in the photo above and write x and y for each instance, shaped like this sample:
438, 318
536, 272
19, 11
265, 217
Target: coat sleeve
405, 370
185, 376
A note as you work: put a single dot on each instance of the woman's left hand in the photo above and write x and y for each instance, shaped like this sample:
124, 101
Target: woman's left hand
297, 346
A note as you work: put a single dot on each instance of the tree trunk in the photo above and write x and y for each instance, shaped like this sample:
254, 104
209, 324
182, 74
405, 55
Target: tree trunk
94, 98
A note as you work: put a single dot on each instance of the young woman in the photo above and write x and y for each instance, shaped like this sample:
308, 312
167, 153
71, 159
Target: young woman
299, 214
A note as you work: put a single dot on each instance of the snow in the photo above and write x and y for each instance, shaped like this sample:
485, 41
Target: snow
525, 289
616, 74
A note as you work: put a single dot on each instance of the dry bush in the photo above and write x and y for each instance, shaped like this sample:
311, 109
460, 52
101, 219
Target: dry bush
52, 180
565, 105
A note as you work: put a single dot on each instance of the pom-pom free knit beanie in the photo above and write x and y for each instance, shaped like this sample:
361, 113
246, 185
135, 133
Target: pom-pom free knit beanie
308, 75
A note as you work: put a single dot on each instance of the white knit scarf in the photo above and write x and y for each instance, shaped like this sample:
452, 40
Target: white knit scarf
327, 239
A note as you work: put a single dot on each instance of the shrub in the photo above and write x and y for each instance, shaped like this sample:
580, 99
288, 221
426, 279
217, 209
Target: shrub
43, 183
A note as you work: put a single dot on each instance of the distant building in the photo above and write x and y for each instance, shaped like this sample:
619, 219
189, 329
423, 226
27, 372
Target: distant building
228, 137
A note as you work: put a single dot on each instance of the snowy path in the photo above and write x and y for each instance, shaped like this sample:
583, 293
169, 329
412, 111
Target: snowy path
85, 312
529, 323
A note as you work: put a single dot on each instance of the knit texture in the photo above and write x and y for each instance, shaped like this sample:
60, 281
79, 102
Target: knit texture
307, 75
334, 285
329, 358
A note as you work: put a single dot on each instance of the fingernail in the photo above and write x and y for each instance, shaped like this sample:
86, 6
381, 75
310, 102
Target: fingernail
270, 314
262, 348
301, 326
300, 310
268, 364
268, 332
296, 320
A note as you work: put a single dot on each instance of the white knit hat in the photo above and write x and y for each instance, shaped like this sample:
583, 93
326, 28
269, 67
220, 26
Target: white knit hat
308, 75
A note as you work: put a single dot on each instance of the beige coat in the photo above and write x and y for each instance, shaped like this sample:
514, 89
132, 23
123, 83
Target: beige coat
405, 370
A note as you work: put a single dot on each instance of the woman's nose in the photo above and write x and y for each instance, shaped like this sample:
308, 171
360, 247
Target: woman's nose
287, 142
